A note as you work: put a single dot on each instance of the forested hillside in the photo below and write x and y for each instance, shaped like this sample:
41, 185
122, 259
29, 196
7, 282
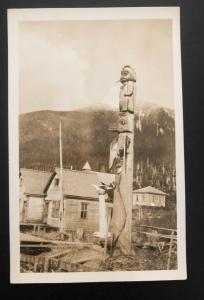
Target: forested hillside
85, 136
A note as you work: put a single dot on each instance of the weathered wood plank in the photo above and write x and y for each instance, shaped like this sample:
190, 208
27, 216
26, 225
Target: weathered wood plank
154, 227
157, 235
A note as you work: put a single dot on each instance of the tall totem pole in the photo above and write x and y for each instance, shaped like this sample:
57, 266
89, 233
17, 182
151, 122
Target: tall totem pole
121, 163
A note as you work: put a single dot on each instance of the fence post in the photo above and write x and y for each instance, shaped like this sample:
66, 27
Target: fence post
46, 264
35, 264
170, 249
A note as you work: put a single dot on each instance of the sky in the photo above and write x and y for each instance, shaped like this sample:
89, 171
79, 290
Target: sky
68, 65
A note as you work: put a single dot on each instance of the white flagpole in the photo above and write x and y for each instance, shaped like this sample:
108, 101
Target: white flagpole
61, 183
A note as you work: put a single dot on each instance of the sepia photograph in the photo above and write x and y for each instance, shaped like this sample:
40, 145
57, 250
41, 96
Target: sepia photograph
96, 145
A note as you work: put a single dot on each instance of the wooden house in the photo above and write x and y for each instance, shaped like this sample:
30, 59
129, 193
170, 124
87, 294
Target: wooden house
149, 205
80, 199
32, 196
149, 196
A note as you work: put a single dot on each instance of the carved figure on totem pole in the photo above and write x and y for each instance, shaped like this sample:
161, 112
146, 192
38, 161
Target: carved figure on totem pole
128, 77
118, 151
119, 148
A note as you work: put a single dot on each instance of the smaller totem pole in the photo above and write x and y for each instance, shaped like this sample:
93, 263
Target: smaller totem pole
102, 212
103, 190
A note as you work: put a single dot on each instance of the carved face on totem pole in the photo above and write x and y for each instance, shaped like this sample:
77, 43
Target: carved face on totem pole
127, 74
128, 77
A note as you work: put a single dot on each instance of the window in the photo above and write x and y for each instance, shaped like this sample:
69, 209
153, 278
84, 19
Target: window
84, 211
55, 209
56, 182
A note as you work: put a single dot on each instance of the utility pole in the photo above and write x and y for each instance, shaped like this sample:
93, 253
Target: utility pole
61, 182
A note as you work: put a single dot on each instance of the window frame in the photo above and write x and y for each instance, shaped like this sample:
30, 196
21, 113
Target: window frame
55, 210
84, 211
56, 182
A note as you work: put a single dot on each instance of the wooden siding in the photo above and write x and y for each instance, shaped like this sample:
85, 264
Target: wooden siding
22, 199
73, 220
35, 209
72, 214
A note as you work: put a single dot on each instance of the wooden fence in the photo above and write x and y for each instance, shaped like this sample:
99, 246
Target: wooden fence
57, 262
52, 263
163, 237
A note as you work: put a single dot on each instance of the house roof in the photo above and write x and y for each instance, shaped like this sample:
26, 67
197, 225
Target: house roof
80, 183
34, 181
86, 166
149, 190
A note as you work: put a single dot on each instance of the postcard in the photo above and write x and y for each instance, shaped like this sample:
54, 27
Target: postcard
96, 152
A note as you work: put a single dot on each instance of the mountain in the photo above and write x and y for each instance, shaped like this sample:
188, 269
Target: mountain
86, 136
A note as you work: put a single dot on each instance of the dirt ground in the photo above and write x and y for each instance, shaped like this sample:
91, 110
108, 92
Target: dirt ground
143, 260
